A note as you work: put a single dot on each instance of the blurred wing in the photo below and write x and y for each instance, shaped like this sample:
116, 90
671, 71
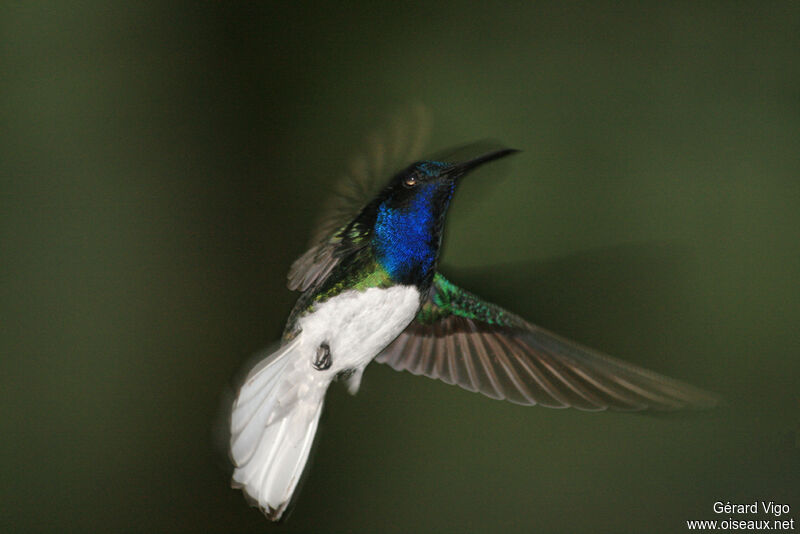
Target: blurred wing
388, 151
312, 267
462, 340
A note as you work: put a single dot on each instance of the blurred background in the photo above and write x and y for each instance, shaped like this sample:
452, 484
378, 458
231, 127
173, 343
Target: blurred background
161, 166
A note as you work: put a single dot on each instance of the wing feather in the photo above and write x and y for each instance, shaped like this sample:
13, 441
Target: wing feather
478, 346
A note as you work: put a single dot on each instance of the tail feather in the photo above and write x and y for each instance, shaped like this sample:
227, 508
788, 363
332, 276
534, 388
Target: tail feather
266, 372
273, 423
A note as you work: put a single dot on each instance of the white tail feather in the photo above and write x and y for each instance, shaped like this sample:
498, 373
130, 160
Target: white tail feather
273, 423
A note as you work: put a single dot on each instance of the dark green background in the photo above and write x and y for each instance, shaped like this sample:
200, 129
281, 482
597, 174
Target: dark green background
161, 165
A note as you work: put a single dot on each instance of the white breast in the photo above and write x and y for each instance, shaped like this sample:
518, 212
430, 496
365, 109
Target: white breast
357, 325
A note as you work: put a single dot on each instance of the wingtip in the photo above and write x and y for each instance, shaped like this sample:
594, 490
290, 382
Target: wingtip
708, 401
693, 400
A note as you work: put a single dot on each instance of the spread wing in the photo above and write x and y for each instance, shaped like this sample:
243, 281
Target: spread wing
337, 233
462, 340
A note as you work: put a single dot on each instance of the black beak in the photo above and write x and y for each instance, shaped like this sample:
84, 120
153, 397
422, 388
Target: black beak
460, 169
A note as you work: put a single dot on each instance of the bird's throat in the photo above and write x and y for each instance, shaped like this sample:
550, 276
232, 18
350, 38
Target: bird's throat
407, 238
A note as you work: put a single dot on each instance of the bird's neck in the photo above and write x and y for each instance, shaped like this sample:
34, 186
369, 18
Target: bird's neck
406, 239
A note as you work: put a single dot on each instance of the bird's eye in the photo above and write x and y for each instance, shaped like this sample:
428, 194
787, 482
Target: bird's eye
410, 181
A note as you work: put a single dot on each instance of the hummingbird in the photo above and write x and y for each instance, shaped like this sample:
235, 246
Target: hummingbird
370, 290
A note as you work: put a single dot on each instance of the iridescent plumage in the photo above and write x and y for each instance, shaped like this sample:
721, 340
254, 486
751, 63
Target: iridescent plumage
370, 290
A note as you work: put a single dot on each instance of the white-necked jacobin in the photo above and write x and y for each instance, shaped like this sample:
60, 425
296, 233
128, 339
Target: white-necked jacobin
371, 291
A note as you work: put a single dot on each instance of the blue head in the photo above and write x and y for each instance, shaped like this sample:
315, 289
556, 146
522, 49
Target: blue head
410, 214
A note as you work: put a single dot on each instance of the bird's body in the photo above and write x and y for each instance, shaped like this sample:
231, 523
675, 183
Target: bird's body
356, 325
370, 289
